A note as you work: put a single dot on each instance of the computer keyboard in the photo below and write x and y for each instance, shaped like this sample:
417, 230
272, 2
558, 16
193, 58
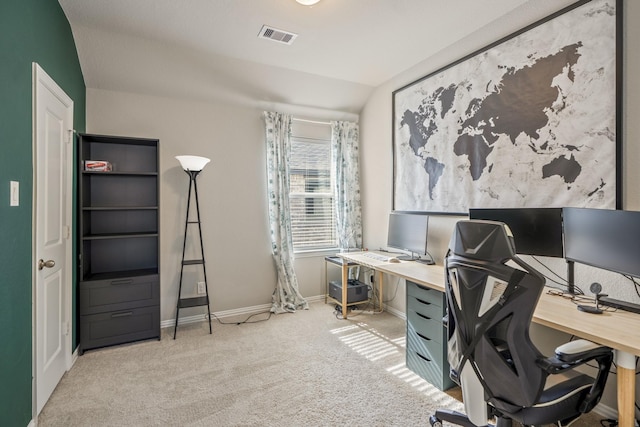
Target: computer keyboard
377, 257
622, 305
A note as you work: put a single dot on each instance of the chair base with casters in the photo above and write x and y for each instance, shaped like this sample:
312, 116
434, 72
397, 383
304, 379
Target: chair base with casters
491, 296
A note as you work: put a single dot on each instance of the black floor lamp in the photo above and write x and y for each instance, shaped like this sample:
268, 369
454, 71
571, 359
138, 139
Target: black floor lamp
192, 165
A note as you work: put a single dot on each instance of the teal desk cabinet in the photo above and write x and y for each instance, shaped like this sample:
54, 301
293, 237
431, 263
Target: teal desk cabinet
426, 335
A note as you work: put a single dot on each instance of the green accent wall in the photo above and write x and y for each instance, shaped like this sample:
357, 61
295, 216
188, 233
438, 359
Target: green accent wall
30, 31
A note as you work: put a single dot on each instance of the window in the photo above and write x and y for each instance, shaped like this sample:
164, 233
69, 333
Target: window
313, 219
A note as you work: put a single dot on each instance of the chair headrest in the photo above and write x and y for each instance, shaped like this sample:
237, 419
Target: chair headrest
482, 240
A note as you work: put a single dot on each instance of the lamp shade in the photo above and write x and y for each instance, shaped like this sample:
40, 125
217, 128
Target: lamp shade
192, 163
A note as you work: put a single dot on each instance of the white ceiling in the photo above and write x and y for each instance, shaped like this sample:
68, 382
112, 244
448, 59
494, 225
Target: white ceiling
209, 49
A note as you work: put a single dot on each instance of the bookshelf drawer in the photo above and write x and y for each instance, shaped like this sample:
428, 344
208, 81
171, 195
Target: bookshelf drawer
102, 296
117, 327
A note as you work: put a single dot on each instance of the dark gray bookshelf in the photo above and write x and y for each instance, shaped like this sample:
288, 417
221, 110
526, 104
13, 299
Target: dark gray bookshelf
118, 241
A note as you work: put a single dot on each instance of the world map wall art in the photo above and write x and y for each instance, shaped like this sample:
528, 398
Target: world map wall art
533, 120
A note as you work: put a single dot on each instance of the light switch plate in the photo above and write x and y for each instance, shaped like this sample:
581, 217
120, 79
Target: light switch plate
14, 194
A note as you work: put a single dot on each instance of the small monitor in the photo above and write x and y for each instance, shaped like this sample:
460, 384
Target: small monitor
536, 231
603, 238
408, 232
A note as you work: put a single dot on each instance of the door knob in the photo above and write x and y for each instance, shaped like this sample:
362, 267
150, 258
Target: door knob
49, 264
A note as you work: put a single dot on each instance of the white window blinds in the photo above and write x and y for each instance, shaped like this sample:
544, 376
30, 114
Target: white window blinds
313, 216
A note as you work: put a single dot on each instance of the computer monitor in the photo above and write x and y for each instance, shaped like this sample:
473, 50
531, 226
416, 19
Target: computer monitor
603, 238
536, 231
408, 232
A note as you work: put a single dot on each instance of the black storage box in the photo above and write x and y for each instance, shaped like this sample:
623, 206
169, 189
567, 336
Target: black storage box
356, 291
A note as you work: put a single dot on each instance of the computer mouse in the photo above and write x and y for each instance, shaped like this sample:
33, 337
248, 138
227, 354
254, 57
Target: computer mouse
394, 259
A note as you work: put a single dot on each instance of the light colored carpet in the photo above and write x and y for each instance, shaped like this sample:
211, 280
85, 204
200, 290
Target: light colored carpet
304, 369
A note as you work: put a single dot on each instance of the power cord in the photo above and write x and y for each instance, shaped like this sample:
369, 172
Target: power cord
431, 257
563, 282
245, 320
579, 299
374, 290
636, 285
395, 292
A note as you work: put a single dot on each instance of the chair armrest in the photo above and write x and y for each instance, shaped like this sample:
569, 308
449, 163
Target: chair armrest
572, 354
575, 351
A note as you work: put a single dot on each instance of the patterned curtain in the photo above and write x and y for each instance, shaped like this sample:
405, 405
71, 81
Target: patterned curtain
345, 154
286, 297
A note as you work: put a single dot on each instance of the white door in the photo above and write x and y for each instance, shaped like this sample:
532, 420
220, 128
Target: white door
53, 152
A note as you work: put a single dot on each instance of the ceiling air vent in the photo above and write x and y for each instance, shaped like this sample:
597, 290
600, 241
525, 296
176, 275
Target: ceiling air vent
277, 35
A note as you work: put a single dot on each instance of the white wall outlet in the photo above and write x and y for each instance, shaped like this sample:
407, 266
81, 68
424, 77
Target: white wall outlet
14, 197
201, 288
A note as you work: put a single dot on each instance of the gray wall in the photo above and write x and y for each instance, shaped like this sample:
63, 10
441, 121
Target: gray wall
377, 172
376, 131
232, 192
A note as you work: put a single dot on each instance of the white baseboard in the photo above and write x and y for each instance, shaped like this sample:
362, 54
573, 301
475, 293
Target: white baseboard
74, 357
398, 313
394, 311
606, 411
315, 299
246, 311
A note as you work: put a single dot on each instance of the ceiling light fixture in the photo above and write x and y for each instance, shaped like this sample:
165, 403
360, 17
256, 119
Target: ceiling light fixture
308, 2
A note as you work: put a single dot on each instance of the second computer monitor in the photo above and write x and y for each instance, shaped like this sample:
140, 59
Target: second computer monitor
603, 238
536, 231
408, 232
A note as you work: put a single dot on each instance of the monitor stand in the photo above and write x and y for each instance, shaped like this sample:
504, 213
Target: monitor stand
571, 287
407, 257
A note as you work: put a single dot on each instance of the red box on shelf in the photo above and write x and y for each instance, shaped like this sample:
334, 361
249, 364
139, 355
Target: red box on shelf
97, 166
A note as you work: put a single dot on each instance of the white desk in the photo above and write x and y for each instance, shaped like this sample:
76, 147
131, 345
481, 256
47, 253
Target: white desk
619, 330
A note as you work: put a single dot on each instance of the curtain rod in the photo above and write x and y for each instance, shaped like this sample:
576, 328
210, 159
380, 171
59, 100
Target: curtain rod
310, 121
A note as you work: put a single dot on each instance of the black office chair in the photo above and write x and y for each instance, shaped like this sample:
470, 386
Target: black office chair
491, 296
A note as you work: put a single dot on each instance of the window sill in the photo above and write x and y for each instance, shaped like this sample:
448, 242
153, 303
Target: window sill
311, 253
323, 252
